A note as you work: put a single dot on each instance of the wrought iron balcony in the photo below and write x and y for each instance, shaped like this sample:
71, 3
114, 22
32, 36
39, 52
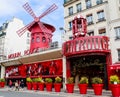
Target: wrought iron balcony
91, 44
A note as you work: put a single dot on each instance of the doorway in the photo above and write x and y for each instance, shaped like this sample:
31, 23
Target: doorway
89, 66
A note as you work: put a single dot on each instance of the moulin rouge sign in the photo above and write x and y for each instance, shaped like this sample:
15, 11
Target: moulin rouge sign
19, 54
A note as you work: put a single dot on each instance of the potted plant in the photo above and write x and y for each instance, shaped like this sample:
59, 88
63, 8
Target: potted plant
2, 82
29, 83
115, 85
34, 83
48, 84
83, 83
58, 84
40, 84
97, 84
70, 85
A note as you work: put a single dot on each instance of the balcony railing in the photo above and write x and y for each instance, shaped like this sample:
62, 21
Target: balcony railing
86, 44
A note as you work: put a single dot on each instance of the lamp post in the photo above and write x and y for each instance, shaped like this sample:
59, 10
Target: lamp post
62, 34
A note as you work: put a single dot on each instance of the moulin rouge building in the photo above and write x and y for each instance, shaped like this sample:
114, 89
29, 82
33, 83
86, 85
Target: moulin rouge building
82, 56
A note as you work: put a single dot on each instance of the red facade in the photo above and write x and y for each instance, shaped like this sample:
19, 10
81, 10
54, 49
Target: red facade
87, 55
40, 39
43, 69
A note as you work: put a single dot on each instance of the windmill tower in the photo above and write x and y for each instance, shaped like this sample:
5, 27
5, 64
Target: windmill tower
41, 33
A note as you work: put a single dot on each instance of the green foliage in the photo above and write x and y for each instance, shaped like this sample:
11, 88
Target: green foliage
97, 80
58, 79
35, 80
2, 80
70, 80
114, 79
28, 79
40, 80
48, 80
83, 80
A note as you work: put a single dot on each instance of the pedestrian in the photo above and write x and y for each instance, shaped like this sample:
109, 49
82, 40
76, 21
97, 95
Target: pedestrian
10, 83
16, 86
22, 84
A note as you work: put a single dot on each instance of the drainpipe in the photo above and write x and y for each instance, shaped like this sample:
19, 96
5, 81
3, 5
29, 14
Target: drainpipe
2, 71
64, 72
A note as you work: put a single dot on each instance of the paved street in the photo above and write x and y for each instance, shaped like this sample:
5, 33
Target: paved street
26, 94
31, 93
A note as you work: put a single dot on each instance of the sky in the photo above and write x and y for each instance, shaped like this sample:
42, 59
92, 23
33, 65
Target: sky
14, 8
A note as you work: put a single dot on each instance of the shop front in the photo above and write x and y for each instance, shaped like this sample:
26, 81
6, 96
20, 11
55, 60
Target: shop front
88, 56
43, 64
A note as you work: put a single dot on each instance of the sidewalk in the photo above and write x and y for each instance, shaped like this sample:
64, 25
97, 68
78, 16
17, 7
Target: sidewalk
90, 92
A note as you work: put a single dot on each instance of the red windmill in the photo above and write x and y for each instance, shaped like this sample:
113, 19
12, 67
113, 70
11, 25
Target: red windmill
41, 33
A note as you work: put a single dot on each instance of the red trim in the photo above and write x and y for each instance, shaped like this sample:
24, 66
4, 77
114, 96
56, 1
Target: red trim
16, 77
115, 66
91, 44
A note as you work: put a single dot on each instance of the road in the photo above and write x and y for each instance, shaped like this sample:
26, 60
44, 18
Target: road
5, 92
27, 94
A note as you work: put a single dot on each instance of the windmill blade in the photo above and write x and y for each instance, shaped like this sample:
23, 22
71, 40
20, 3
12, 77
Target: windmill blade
27, 7
45, 30
21, 31
49, 10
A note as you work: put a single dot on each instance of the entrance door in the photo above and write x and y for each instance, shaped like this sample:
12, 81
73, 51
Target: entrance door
89, 66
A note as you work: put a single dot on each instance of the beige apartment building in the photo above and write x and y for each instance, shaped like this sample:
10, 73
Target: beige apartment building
103, 18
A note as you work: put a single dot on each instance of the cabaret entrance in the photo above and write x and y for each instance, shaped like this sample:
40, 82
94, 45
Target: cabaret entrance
89, 66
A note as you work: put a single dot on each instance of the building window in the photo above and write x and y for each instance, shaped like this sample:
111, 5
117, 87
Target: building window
65, 1
70, 10
102, 32
70, 37
28, 34
99, 2
32, 40
79, 7
117, 31
43, 39
28, 41
37, 39
101, 16
91, 33
88, 4
89, 19
118, 54
70, 25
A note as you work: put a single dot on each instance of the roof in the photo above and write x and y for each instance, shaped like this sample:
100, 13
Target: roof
52, 54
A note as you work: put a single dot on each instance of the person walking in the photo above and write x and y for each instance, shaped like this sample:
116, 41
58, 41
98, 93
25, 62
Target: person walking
10, 83
22, 84
16, 86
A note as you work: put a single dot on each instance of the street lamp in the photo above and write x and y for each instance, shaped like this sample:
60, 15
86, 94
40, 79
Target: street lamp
62, 34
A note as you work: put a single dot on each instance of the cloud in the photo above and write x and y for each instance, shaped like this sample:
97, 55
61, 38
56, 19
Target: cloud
10, 8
